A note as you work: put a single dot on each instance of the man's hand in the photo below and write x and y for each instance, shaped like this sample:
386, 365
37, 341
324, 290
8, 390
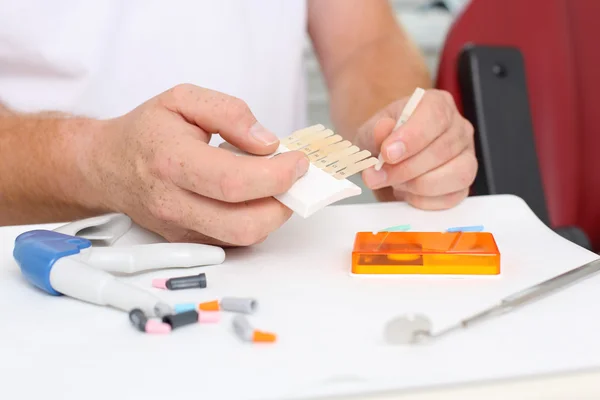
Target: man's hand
369, 61
430, 160
155, 165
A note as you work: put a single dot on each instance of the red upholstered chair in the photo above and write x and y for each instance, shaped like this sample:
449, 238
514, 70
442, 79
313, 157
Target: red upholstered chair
559, 41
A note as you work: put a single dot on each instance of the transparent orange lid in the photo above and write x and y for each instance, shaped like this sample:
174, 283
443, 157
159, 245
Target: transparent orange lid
458, 253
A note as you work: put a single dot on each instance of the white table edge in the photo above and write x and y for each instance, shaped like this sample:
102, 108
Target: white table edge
583, 384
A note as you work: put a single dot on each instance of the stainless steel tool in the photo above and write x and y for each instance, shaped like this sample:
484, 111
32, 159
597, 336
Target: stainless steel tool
415, 328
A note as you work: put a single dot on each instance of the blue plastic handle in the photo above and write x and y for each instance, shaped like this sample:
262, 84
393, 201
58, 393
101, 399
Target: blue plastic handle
37, 251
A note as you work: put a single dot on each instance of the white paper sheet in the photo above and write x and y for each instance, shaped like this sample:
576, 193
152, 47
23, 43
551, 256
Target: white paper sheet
329, 324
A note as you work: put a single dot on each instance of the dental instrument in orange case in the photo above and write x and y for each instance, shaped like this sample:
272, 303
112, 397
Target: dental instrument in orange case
431, 253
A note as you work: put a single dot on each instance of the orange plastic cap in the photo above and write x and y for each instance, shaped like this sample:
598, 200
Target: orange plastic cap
209, 306
259, 336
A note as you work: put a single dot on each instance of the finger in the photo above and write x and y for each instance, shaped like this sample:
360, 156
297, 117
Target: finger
435, 203
457, 174
189, 236
188, 218
241, 224
226, 115
372, 137
179, 235
432, 117
217, 173
443, 149
371, 141
388, 116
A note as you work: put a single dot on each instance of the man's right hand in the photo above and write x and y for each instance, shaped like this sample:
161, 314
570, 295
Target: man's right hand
155, 165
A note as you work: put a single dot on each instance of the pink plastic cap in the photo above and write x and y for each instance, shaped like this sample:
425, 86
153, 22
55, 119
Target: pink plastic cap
208, 317
154, 326
159, 283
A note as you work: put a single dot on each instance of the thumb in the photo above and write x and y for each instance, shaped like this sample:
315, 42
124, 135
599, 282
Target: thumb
216, 112
373, 132
371, 136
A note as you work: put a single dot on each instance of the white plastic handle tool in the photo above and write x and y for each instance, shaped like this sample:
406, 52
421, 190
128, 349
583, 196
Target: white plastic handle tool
146, 257
407, 111
106, 228
61, 264
76, 279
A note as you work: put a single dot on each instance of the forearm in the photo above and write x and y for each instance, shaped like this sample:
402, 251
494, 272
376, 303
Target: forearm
41, 178
384, 70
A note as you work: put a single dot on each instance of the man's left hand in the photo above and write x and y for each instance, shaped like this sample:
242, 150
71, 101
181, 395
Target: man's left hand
429, 161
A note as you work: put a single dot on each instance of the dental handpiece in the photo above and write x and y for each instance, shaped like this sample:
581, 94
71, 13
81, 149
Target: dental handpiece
75, 279
61, 264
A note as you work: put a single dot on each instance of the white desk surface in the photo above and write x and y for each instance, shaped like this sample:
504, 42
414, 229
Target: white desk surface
329, 324
580, 385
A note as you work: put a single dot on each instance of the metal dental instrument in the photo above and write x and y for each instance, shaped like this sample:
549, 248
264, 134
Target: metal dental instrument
410, 329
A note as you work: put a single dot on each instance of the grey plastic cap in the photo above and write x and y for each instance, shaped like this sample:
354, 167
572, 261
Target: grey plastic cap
242, 305
181, 319
242, 327
187, 282
138, 319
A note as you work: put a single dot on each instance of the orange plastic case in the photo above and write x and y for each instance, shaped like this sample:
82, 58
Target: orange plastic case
453, 253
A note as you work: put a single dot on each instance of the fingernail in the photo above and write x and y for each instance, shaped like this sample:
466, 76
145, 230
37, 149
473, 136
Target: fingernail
302, 167
264, 136
375, 179
395, 151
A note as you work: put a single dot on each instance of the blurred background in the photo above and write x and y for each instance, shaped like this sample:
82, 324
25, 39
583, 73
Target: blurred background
427, 21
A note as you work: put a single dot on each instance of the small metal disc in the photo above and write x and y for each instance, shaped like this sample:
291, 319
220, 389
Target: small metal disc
406, 329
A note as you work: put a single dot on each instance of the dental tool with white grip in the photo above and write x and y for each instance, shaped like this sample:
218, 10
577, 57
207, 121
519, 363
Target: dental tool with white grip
61, 264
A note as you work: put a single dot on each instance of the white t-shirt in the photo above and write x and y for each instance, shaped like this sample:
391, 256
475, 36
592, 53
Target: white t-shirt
103, 58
